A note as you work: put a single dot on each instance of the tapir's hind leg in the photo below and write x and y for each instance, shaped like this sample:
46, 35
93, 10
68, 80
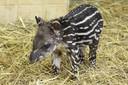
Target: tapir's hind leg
92, 53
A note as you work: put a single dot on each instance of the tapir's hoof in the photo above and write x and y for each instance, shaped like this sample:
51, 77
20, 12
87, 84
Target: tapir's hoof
73, 77
55, 70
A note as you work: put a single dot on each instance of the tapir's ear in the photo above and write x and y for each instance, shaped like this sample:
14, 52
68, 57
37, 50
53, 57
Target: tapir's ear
39, 20
56, 25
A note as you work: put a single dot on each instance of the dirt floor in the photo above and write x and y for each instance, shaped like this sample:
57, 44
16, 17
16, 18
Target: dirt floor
112, 54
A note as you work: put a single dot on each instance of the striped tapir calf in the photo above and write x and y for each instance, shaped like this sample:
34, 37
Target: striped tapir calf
80, 27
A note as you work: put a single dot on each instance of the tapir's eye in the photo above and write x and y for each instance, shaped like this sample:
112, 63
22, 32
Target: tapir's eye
47, 45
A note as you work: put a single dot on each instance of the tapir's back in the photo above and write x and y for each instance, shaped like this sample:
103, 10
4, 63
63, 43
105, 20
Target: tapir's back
84, 25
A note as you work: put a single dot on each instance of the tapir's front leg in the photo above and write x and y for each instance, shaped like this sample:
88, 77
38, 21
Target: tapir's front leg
56, 61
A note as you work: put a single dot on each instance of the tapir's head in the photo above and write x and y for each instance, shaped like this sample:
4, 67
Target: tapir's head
45, 39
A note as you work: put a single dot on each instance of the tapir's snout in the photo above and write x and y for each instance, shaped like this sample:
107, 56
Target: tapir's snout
35, 56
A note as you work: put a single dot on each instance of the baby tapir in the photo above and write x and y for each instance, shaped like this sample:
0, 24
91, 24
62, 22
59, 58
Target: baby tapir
80, 27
